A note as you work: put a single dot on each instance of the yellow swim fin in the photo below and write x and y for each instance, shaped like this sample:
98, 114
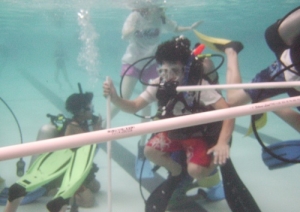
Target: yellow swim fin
260, 122
218, 44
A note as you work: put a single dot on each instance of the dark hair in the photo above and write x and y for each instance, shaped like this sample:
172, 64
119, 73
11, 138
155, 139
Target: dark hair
77, 101
177, 49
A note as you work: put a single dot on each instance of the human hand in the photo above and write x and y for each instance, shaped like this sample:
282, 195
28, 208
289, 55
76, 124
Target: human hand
196, 24
220, 153
109, 89
97, 122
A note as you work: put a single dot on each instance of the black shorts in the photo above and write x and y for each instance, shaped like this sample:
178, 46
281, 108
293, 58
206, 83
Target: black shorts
278, 46
274, 41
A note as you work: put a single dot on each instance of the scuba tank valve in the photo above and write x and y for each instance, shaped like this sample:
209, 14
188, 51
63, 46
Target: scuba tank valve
20, 167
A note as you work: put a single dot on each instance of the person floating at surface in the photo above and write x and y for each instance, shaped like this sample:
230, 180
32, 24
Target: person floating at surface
178, 67
283, 38
142, 29
70, 170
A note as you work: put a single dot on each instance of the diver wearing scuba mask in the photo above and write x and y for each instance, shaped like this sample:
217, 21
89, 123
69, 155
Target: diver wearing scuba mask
142, 30
171, 72
177, 66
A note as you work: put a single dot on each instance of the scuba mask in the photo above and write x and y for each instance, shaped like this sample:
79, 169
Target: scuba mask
170, 72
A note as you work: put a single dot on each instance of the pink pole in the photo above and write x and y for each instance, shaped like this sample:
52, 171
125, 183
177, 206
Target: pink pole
21, 150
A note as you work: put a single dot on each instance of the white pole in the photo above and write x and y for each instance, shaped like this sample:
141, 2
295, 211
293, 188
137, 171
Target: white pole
239, 86
102, 136
108, 149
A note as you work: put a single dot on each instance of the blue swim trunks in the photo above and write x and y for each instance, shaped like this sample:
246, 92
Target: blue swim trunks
266, 75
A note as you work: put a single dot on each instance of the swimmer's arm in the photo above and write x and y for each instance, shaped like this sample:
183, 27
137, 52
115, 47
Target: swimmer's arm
290, 116
128, 32
221, 149
129, 27
186, 28
129, 106
228, 124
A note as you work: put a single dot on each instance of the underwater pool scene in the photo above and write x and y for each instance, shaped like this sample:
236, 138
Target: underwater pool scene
47, 47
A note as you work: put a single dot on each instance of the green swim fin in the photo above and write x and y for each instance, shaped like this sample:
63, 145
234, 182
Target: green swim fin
80, 166
260, 122
218, 44
45, 169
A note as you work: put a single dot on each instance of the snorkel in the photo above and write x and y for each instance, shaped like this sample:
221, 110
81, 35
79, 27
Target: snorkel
94, 117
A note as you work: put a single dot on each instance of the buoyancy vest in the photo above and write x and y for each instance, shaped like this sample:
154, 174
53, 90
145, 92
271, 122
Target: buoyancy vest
169, 99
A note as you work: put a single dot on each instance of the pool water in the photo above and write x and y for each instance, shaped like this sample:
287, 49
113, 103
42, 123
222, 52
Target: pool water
34, 33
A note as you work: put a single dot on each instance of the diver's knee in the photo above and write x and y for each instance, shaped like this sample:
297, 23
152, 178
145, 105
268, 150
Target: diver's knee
233, 101
16, 191
196, 171
153, 154
237, 98
148, 151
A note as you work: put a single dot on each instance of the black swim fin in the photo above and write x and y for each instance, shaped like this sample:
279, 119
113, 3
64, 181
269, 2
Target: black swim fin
287, 149
159, 198
237, 195
55, 205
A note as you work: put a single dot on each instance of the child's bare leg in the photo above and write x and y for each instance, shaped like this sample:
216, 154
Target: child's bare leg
290, 116
163, 159
237, 96
13, 205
